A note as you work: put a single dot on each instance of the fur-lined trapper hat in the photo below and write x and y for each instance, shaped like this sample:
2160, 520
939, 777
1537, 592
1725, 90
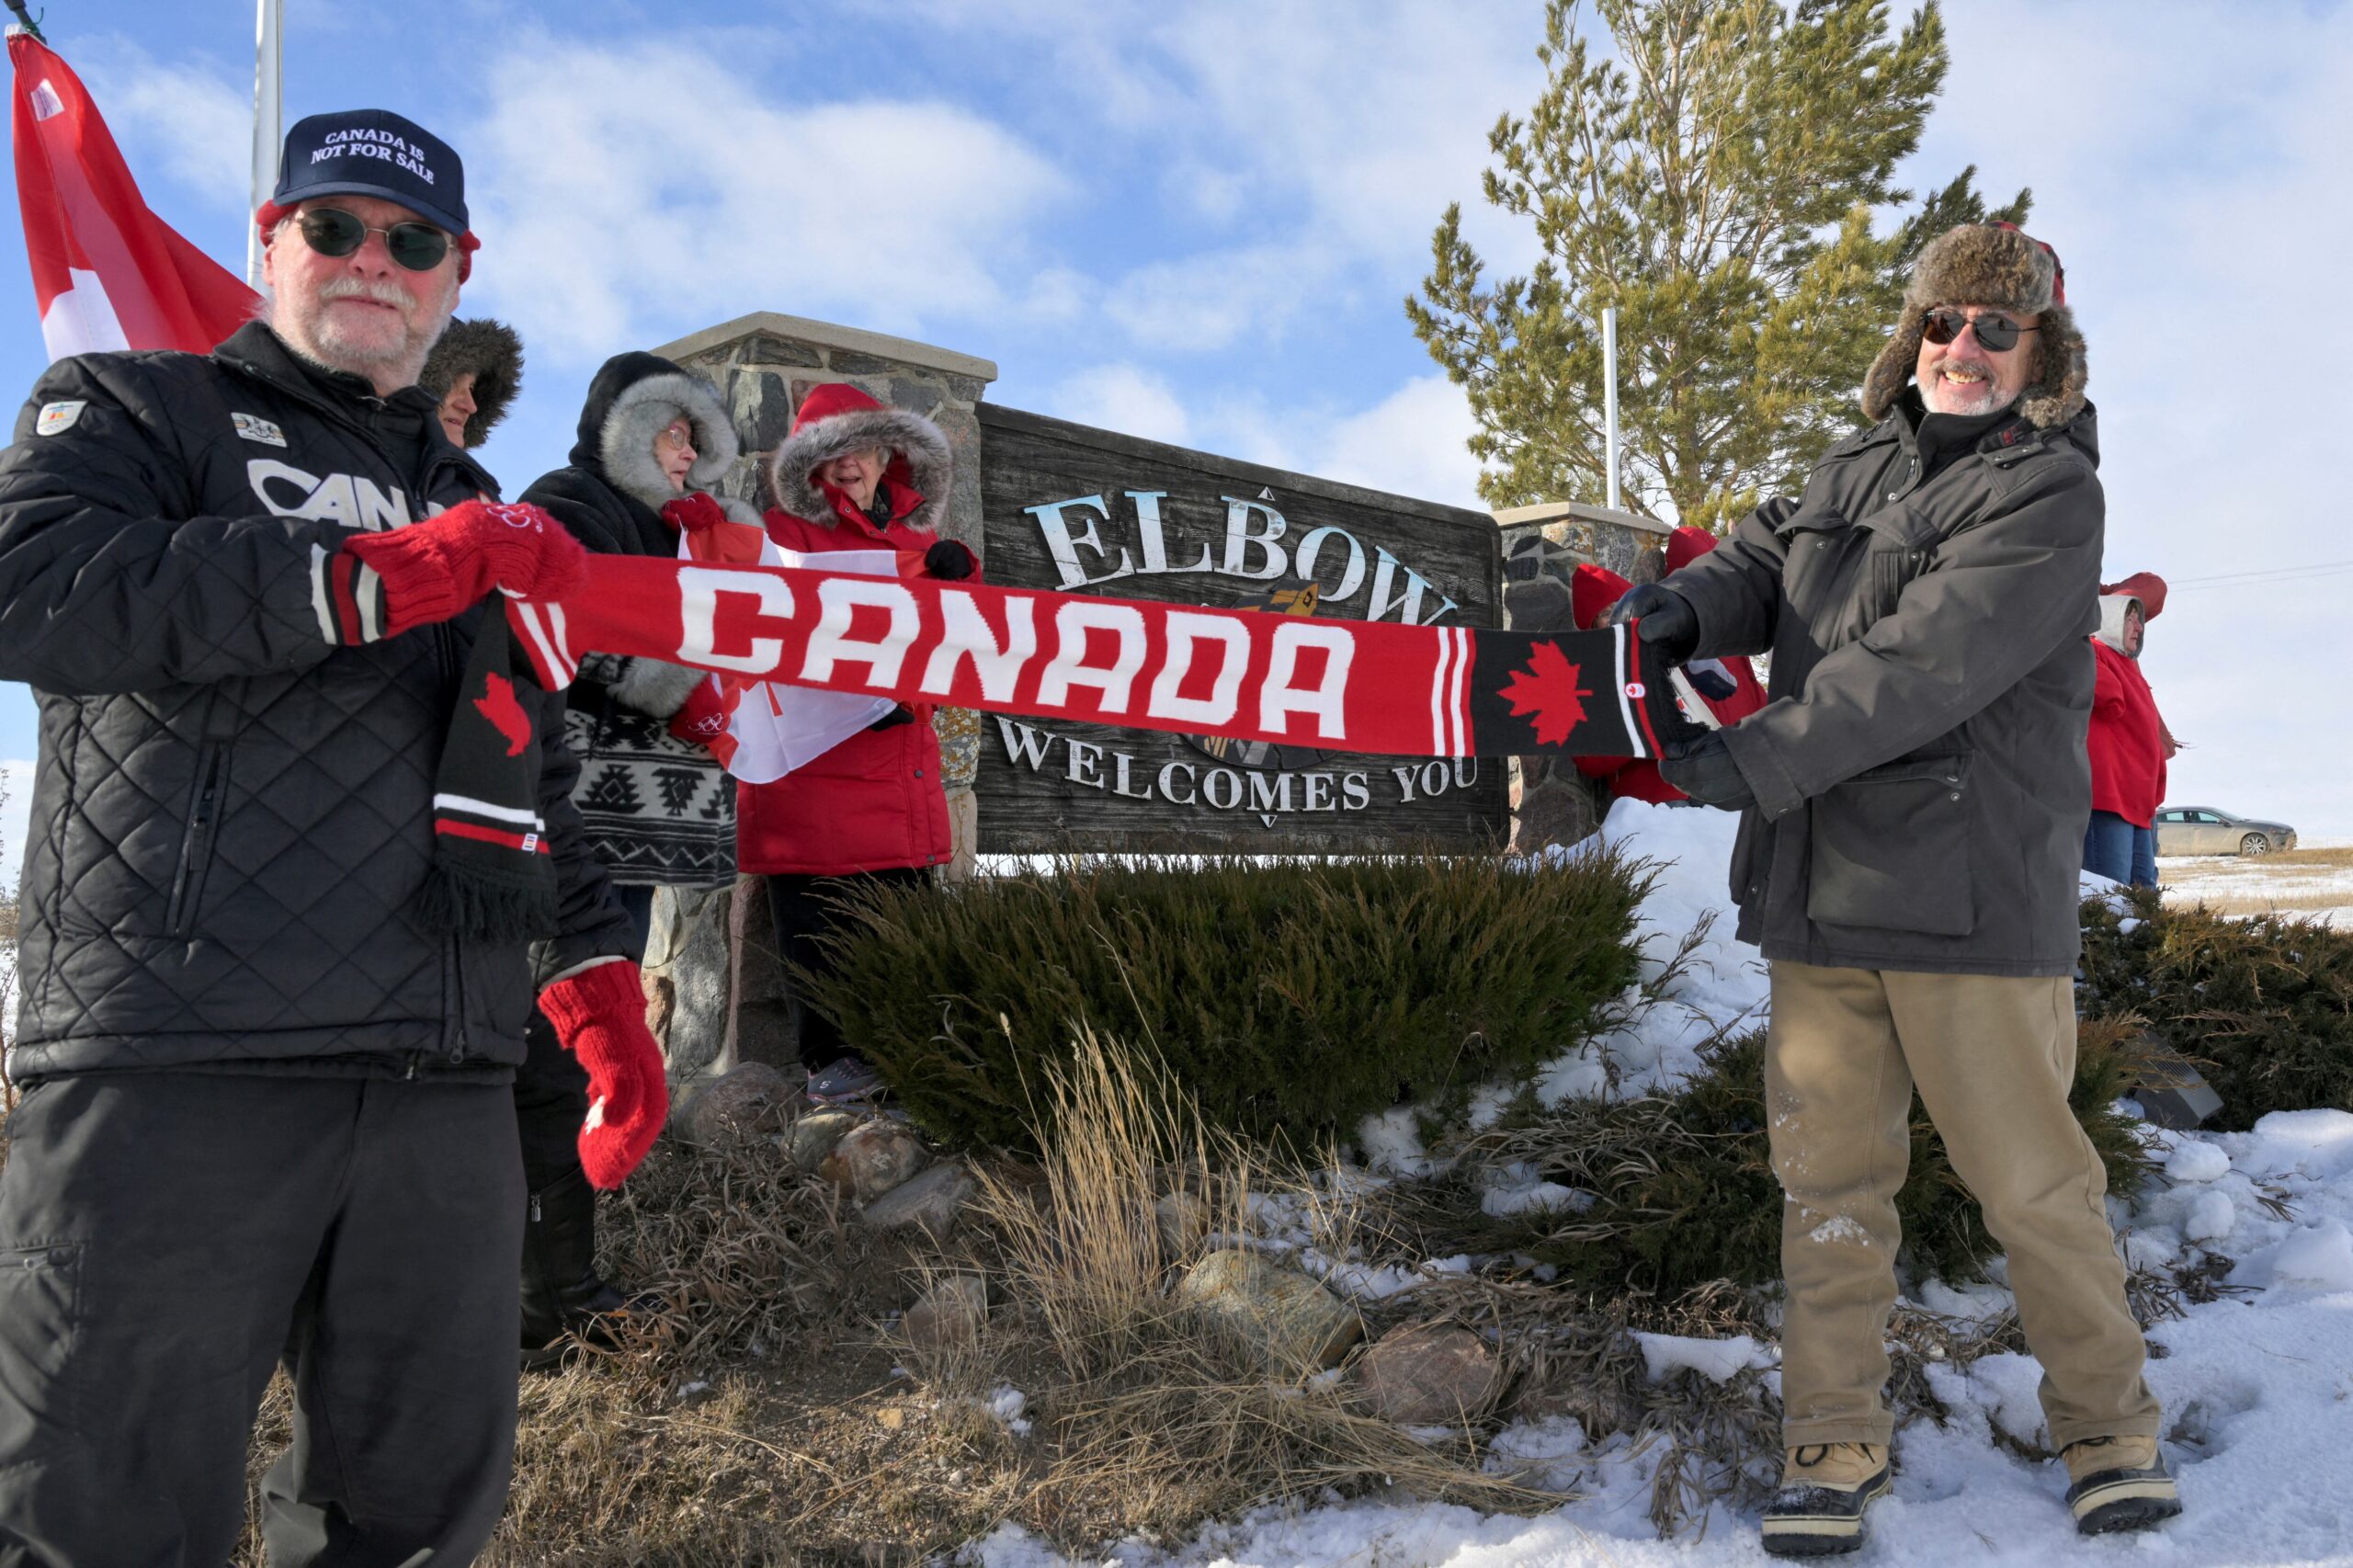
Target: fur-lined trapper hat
837, 419
1999, 267
632, 400
494, 352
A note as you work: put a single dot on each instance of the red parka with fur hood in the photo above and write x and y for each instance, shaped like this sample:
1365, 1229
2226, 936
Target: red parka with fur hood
875, 802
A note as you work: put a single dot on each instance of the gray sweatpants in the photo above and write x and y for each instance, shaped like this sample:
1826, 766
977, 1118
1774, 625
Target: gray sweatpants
167, 1239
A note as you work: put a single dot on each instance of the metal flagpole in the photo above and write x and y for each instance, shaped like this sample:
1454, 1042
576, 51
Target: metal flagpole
1609, 397
268, 112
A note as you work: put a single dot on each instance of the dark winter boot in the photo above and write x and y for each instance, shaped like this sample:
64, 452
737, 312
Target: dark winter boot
564, 1299
1826, 1489
2118, 1483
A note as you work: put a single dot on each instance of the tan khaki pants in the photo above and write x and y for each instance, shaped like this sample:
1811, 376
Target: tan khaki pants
1992, 1058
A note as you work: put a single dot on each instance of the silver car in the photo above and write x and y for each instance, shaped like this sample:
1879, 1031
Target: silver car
2201, 830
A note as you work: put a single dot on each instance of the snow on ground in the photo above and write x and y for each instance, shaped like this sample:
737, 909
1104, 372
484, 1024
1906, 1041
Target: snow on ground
2242, 884
2257, 1386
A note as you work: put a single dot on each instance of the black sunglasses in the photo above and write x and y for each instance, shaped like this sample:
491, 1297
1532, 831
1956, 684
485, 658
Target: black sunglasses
330, 230
1998, 334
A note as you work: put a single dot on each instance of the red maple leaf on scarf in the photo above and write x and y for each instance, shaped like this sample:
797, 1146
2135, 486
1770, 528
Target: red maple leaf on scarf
506, 716
1547, 691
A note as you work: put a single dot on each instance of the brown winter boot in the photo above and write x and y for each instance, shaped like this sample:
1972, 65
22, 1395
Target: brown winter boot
1826, 1487
2118, 1483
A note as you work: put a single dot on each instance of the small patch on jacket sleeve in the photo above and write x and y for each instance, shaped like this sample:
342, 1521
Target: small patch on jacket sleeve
56, 418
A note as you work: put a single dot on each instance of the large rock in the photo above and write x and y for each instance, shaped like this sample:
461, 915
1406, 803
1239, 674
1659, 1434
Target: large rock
872, 1159
690, 966
815, 1135
949, 1315
749, 1100
1289, 1323
1184, 1219
929, 1201
1429, 1375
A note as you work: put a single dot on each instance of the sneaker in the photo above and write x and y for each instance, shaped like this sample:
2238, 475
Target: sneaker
2118, 1483
1826, 1487
847, 1079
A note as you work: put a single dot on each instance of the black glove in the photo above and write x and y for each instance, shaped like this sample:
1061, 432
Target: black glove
902, 714
1670, 623
949, 561
1704, 770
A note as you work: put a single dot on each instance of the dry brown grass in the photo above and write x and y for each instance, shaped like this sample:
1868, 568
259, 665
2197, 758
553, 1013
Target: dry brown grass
2296, 882
1162, 1419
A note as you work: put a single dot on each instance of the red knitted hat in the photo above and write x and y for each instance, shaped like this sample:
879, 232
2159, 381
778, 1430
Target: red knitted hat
832, 399
1686, 545
1592, 590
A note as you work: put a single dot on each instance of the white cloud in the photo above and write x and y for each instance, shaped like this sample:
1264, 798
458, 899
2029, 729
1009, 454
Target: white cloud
625, 188
1413, 442
1124, 398
185, 122
1316, 144
1209, 302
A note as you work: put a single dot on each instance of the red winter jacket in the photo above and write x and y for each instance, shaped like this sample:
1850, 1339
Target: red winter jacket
2127, 741
874, 801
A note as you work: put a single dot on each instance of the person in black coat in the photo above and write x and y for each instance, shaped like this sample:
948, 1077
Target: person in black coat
656, 807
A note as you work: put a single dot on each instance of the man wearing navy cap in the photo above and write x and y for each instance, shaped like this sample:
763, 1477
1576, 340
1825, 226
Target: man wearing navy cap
302, 858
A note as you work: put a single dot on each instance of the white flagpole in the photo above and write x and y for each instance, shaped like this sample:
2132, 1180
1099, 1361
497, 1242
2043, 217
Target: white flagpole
268, 113
1609, 399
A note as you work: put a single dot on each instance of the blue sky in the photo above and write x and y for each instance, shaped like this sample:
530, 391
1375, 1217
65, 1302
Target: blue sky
1195, 221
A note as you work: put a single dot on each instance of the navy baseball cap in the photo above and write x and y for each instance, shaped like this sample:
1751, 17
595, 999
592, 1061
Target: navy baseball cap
373, 152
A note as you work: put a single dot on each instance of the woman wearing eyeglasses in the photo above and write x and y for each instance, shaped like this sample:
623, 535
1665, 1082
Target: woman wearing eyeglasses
658, 808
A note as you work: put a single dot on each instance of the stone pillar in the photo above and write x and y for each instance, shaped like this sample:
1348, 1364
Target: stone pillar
1552, 802
691, 976
765, 364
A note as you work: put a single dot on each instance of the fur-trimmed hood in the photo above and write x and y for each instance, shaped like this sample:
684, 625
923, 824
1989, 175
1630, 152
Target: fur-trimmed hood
630, 400
837, 418
2002, 268
492, 351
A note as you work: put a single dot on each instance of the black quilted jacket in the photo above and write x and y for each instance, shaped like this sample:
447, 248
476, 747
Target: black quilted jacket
231, 814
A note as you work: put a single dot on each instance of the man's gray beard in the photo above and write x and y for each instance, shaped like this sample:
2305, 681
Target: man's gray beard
404, 363
1928, 397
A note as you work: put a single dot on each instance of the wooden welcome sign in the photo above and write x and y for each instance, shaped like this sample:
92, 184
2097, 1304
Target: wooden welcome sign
1080, 510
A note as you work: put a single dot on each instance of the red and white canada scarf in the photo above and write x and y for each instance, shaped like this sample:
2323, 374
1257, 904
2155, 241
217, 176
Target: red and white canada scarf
1349, 686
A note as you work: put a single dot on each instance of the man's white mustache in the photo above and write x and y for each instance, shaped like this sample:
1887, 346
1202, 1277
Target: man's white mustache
365, 289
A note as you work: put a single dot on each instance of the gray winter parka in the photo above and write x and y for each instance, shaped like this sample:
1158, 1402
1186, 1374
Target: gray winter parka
1920, 772
231, 813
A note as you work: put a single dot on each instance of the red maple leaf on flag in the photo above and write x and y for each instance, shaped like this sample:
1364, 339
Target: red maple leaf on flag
1547, 691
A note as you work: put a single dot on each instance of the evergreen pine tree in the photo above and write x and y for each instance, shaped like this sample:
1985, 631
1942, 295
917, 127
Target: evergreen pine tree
1716, 182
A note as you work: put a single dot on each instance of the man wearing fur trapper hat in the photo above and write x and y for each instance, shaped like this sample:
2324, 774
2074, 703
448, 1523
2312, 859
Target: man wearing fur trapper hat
1913, 804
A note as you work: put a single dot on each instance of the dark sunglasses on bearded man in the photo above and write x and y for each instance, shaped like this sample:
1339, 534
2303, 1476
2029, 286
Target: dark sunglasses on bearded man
1999, 333
330, 230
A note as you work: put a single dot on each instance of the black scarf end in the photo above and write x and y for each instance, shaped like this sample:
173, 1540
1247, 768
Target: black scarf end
470, 908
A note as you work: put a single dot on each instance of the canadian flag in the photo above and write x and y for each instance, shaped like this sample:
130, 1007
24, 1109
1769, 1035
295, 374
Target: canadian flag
106, 272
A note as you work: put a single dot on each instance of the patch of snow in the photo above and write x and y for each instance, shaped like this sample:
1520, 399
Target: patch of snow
2316, 1143
1007, 1403
1717, 1361
2196, 1160
1546, 1197
2211, 1216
